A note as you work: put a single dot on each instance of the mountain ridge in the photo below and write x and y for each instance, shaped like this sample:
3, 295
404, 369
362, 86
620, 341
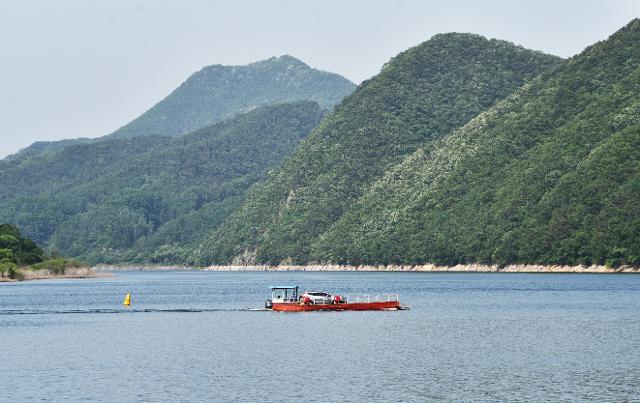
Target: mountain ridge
418, 96
217, 92
461, 151
98, 200
563, 195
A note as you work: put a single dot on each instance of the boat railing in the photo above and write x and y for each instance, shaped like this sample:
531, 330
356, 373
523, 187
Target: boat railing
373, 298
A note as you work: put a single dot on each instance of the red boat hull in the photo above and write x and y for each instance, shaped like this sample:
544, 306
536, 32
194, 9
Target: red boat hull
355, 306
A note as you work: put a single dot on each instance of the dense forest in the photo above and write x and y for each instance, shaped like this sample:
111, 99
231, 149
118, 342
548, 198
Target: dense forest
417, 98
147, 198
550, 175
461, 150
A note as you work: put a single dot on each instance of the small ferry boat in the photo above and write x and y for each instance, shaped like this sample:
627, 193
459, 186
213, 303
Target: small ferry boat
287, 298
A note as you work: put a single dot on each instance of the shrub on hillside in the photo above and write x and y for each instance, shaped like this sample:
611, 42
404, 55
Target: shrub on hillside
7, 269
58, 265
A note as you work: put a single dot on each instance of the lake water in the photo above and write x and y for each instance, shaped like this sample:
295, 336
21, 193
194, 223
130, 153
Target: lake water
479, 336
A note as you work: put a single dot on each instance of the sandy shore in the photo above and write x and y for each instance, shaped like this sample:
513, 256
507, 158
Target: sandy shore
72, 272
471, 268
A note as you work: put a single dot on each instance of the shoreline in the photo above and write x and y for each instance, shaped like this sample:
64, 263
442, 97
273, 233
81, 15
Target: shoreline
427, 268
70, 273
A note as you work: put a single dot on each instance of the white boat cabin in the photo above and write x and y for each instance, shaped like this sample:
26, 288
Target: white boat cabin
284, 294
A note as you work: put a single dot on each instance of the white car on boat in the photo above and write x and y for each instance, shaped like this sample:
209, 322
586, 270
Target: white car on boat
317, 297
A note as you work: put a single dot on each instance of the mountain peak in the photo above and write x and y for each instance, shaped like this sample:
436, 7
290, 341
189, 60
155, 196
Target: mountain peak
284, 61
272, 61
467, 54
456, 36
218, 92
461, 39
288, 59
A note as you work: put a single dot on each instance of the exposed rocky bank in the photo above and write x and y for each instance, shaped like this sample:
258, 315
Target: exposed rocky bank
472, 268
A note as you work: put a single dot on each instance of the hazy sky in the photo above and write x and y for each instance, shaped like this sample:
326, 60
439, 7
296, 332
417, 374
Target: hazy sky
77, 68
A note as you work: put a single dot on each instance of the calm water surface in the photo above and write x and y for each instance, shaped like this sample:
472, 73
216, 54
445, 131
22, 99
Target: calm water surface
468, 337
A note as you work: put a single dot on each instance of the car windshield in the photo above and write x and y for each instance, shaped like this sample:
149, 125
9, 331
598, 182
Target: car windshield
318, 294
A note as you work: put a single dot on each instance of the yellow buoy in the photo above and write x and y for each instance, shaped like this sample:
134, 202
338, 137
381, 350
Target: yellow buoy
127, 300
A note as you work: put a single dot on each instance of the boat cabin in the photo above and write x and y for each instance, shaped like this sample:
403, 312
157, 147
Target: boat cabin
284, 294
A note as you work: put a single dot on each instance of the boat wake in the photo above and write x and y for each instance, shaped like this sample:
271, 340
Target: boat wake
121, 310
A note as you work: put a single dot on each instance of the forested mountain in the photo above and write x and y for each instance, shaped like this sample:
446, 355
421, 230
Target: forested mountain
550, 175
46, 173
36, 192
417, 98
461, 150
218, 92
147, 198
